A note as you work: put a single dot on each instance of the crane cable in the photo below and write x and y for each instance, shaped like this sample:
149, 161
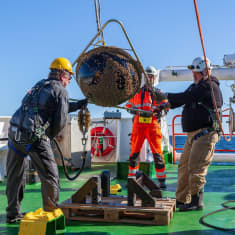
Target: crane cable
98, 19
98, 22
207, 69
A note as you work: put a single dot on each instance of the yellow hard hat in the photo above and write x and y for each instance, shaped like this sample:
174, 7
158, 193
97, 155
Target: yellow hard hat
62, 64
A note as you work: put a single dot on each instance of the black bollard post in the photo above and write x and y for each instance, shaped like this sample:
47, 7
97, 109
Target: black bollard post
105, 183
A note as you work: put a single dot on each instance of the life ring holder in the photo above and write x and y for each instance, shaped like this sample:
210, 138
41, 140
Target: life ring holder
101, 131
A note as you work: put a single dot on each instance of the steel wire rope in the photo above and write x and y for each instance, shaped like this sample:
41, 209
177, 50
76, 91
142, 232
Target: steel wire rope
100, 32
98, 19
209, 77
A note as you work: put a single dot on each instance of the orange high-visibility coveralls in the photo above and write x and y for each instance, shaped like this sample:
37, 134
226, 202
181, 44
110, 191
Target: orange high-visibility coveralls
146, 126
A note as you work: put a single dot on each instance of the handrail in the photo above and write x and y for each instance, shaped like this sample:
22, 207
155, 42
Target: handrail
183, 134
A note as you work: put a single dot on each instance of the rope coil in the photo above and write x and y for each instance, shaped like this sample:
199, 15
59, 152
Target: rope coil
226, 207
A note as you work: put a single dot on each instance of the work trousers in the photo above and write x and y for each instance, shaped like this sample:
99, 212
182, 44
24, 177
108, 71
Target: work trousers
43, 160
194, 162
152, 133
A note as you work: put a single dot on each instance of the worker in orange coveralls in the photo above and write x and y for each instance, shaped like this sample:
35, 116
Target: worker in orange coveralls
147, 125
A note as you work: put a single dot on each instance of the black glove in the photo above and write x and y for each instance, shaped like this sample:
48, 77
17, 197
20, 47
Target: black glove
82, 103
162, 107
74, 106
159, 95
132, 111
161, 110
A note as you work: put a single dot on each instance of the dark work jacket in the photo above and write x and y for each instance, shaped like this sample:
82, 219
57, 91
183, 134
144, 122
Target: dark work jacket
53, 106
197, 101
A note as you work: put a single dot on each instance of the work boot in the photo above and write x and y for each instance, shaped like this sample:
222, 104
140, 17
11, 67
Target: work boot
15, 219
195, 204
178, 204
139, 174
162, 183
132, 177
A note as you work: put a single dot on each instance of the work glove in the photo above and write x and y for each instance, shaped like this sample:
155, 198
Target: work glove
82, 103
134, 112
162, 110
164, 106
74, 106
159, 95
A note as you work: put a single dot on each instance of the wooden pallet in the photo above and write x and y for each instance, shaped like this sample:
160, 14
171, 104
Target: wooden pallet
116, 210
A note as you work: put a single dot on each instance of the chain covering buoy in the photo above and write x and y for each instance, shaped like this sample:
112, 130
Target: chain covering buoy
108, 76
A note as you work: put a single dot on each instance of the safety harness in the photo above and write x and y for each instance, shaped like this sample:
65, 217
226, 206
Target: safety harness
22, 145
215, 124
204, 132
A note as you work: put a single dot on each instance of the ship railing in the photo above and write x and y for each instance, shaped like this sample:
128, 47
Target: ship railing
174, 134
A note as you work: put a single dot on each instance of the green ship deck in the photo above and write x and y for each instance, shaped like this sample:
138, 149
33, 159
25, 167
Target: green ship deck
220, 187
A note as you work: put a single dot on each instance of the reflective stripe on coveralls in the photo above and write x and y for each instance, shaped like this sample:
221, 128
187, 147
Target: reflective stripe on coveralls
132, 171
160, 174
159, 166
150, 131
133, 164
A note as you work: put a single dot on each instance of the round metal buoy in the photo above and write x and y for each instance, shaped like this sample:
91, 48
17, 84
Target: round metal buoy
108, 76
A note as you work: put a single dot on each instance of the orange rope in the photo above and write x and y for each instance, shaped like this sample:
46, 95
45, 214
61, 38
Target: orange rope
207, 69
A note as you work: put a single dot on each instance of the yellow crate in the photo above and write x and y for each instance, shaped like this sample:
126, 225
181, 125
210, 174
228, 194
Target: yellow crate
40, 222
115, 188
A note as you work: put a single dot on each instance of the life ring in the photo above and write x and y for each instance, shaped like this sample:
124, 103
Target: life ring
96, 135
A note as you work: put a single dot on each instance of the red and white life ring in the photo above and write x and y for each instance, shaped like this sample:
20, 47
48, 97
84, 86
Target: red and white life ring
99, 132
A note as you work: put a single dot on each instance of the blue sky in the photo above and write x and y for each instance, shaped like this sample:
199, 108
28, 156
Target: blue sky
163, 32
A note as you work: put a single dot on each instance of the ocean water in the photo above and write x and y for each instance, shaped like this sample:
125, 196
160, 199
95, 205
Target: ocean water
222, 144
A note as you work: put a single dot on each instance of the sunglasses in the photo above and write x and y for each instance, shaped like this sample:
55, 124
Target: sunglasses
191, 67
68, 77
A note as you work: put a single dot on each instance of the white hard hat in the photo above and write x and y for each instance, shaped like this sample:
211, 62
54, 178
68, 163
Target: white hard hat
199, 65
151, 70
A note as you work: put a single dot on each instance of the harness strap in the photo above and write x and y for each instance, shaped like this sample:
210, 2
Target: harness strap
204, 132
15, 150
212, 113
145, 115
39, 131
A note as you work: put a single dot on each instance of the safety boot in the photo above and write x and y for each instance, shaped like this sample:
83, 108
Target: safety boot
178, 204
15, 219
195, 204
162, 183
